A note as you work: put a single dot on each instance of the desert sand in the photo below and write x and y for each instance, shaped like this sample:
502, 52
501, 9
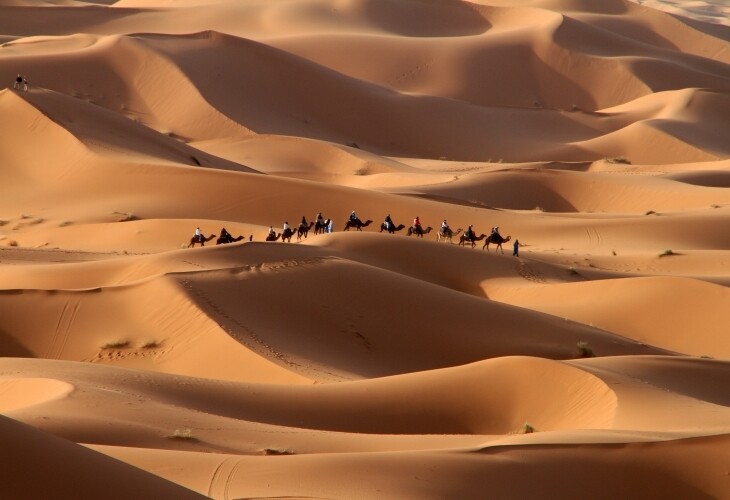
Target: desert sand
362, 364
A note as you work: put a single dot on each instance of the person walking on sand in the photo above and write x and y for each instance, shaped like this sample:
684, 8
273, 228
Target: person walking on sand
18, 81
516, 246
25, 84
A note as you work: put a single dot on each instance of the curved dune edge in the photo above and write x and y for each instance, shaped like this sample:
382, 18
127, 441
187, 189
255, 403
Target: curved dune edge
61, 462
571, 447
661, 301
575, 469
21, 393
490, 397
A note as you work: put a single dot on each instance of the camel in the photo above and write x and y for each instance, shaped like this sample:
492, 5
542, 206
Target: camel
463, 239
303, 230
228, 239
320, 226
202, 240
413, 230
273, 237
287, 234
392, 229
357, 224
448, 235
497, 239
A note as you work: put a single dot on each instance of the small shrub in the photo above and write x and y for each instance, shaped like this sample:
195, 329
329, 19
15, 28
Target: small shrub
526, 428
667, 252
614, 253
150, 344
125, 216
115, 344
618, 160
362, 171
182, 435
65, 223
277, 451
650, 212
3, 222
583, 350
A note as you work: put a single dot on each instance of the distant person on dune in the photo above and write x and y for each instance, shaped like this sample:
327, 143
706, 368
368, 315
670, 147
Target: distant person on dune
18, 81
516, 248
25, 84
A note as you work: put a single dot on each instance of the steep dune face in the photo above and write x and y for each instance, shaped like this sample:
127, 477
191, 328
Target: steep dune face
591, 134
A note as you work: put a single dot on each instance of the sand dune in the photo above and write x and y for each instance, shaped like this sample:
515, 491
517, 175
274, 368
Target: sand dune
61, 462
363, 364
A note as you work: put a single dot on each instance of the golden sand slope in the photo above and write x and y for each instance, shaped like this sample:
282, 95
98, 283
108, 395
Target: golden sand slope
362, 364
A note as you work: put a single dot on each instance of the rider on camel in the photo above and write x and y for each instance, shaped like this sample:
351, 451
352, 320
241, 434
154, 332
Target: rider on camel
198, 235
354, 221
286, 227
469, 234
388, 222
417, 226
272, 233
303, 224
444, 227
226, 236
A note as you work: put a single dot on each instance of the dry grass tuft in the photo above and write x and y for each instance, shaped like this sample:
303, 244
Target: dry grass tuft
125, 216
278, 451
618, 160
583, 350
182, 435
115, 344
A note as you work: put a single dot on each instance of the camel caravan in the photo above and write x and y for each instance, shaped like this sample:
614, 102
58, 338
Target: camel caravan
321, 225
